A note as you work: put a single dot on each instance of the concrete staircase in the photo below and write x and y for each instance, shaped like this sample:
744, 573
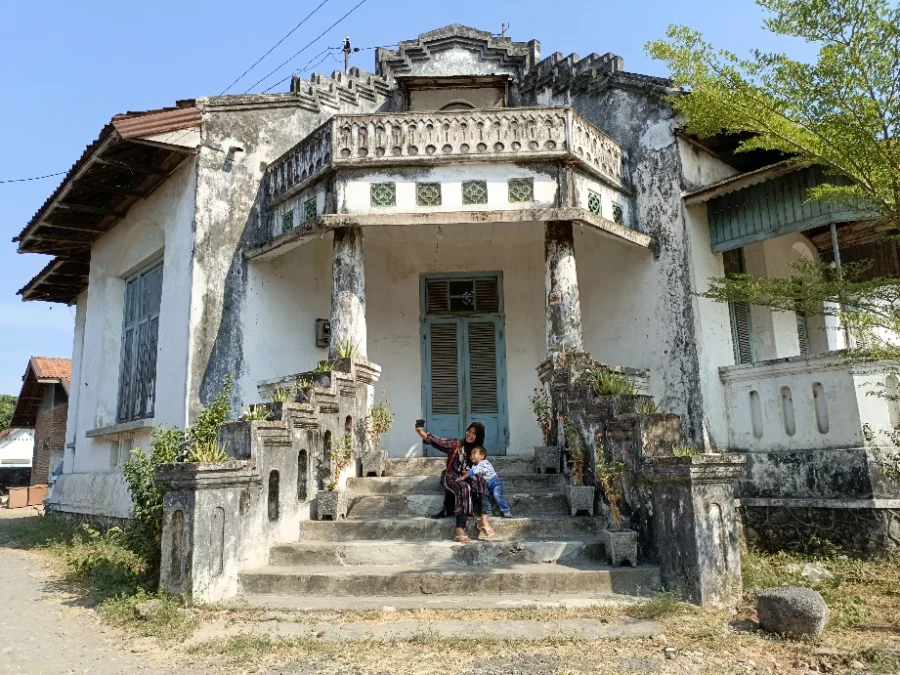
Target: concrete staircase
387, 546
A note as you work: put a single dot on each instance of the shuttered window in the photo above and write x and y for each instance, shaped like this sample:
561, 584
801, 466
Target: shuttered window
461, 296
140, 329
739, 312
483, 367
803, 333
444, 369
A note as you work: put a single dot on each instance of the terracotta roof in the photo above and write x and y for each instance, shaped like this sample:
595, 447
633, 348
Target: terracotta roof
52, 368
42, 371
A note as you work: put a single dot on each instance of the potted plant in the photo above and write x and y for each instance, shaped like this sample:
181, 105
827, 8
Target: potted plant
621, 542
379, 422
547, 456
616, 393
332, 501
579, 495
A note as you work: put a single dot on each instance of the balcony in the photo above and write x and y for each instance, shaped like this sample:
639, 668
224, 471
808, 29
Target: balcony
424, 139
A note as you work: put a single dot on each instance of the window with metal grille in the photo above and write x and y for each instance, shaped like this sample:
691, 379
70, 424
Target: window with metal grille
618, 213
140, 327
521, 189
428, 194
287, 221
383, 194
462, 296
309, 210
594, 204
803, 333
474, 192
739, 312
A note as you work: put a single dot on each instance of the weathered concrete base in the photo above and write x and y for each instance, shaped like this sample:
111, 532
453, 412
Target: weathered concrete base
621, 547
580, 498
583, 629
696, 529
332, 504
865, 527
547, 459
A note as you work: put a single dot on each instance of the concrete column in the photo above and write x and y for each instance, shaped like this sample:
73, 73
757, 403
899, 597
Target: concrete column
695, 524
348, 292
563, 305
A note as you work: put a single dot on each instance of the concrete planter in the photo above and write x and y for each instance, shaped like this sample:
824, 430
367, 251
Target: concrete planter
621, 547
373, 463
610, 407
332, 503
580, 498
547, 458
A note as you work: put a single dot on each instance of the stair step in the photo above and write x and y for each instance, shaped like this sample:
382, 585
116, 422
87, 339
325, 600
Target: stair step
546, 503
416, 529
392, 485
432, 466
435, 553
405, 581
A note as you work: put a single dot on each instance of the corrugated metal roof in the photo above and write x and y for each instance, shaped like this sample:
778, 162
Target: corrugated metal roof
134, 125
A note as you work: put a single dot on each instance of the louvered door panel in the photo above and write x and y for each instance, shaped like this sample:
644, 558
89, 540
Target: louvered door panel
482, 350
445, 368
803, 334
740, 332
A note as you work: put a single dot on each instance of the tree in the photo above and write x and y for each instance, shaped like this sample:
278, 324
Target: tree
841, 112
7, 406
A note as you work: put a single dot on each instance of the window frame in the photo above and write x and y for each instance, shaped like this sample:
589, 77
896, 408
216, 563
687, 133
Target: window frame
128, 409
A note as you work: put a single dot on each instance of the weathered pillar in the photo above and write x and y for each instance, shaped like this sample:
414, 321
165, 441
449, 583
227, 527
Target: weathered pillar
563, 305
348, 293
696, 529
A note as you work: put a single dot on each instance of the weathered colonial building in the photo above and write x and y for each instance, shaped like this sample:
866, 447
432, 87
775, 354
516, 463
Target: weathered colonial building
457, 217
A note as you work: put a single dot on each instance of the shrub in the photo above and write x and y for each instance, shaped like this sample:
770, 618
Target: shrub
380, 421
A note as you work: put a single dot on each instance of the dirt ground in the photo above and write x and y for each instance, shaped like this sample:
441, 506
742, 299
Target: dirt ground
48, 626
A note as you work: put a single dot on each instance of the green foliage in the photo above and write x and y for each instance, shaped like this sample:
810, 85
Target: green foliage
380, 420
840, 111
647, 406
346, 349
576, 450
324, 367
540, 406
280, 394
211, 417
144, 531
7, 407
207, 452
255, 413
605, 382
169, 620
683, 449
341, 456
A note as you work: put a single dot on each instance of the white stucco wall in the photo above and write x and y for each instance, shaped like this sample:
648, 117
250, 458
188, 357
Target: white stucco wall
159, 227
17, 448
354, 194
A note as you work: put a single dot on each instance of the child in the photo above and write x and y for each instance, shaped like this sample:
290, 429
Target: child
482, 467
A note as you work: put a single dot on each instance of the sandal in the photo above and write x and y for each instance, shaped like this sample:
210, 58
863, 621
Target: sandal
463, 539
486, 531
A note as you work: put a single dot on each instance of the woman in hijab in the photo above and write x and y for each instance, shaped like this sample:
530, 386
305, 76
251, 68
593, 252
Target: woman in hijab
467, 495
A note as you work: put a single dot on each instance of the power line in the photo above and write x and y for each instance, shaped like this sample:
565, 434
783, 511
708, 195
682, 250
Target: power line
309, 66
320, 36
22, 180
291, 32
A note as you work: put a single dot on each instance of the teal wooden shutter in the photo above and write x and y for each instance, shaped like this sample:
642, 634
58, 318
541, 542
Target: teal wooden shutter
803, 333
739, 312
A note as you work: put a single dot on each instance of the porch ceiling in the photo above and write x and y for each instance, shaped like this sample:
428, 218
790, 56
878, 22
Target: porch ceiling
527, 217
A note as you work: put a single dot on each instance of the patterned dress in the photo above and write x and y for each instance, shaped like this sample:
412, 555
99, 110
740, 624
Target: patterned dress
468, 495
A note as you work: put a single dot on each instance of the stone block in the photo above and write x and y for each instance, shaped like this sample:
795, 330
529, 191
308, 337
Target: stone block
332, 503
547, 458
793, 611
373, 463
695, 524
580, 498
621, 547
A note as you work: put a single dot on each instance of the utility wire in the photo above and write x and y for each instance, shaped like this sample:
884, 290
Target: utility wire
22, 180
320, 36
309, 66
291, 32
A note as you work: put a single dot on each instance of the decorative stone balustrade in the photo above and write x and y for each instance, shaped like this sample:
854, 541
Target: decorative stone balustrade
428, 138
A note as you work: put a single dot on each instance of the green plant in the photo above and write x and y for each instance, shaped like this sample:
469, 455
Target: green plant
255, 413
682, 449
605, 382
576, 450
540, 406
213, 416
661, 605
380, 420
324, 367
304, 382
609, 478
346, 349
144, 531
647, 406
341, 456
207, 452
279, 394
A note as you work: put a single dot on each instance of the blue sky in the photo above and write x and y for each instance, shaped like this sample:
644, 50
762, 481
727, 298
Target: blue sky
67, 67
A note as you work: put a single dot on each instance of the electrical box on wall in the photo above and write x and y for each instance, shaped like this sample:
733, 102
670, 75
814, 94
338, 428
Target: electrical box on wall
323, 332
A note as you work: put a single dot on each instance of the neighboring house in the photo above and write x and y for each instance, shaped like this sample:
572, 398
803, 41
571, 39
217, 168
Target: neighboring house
16, 447
458, 216
43, 406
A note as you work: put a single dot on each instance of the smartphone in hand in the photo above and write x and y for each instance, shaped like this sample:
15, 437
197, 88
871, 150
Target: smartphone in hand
420, 423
